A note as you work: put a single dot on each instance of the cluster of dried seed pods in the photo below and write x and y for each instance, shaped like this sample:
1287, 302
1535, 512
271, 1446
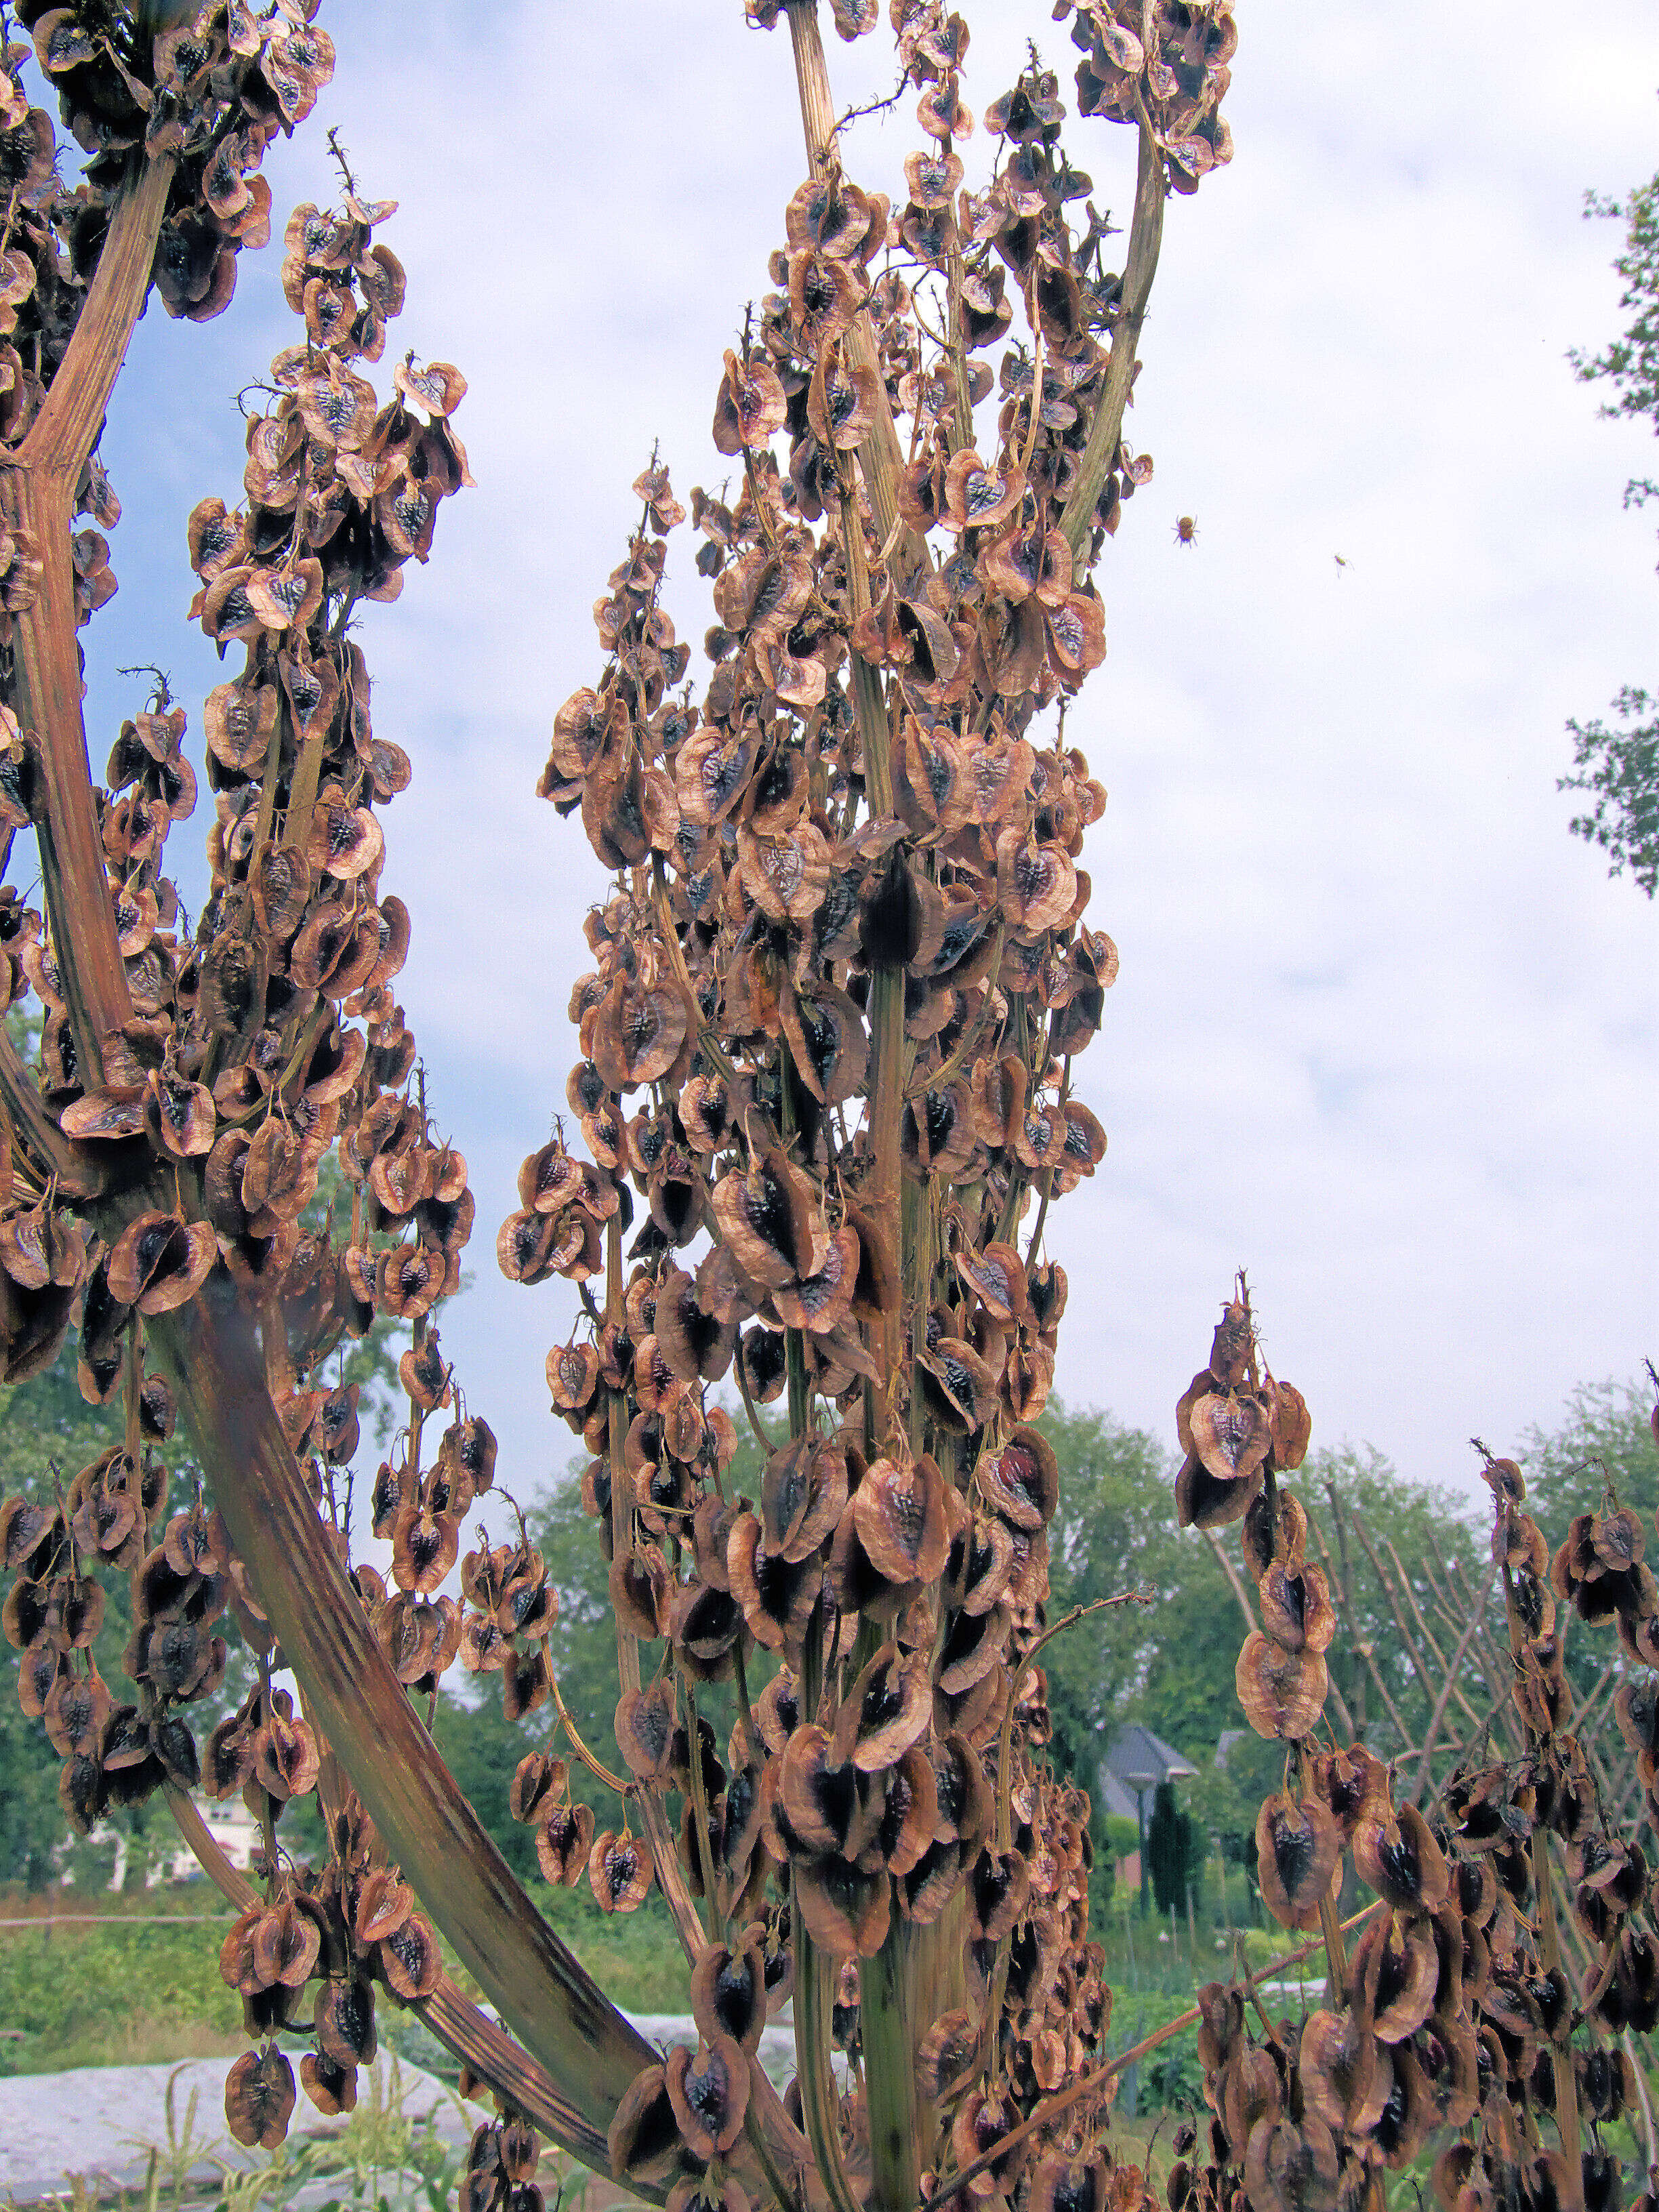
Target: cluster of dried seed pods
1455, 2012
1166, 64
249, 1049
499, 2174
239, 1061
827, 1045
207, 98
837, 997
113, 1516
202, 101
43, 1264
347, 1928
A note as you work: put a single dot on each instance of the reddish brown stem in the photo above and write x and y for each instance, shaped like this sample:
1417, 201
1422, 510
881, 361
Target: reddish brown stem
36, 492
83, 1171
542, 1992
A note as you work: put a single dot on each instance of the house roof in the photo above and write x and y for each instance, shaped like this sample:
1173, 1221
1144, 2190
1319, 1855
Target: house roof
1113, 1797
1136, 1750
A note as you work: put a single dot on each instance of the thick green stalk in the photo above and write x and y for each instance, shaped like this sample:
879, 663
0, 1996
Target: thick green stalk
819, 2104
888, 2035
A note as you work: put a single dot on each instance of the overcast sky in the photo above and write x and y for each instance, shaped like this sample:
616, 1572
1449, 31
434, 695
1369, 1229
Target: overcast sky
1384, 1033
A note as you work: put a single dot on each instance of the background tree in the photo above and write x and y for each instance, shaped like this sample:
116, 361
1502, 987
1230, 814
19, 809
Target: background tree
1175, 1852
1619, 767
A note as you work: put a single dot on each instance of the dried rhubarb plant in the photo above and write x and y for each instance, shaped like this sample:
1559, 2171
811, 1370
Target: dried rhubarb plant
825, 1099
1483, 2017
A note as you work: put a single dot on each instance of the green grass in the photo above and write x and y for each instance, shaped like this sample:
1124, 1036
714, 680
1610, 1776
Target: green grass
126, 1994
635, 1958
136, 1993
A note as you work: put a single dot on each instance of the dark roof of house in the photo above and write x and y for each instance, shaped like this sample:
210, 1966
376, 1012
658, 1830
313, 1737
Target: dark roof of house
1113, 1797
1138, 1751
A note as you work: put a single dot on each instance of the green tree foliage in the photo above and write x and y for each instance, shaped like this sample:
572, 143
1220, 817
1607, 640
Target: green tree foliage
1630, 363
1114, 1532
1171, 1665
1606, 1437
1619, 768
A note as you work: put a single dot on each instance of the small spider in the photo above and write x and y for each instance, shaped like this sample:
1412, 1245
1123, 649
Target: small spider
1186, 529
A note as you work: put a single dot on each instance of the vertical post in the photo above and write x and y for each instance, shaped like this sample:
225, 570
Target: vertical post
1221, 1880
1128, 1937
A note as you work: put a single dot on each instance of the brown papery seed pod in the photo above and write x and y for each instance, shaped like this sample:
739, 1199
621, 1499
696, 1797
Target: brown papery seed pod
1298, 1848
1283, 1692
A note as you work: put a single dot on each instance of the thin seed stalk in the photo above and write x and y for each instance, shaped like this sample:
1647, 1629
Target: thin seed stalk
886, 1986
1561, 2065
700, 1802
1100, 454
794, 1358
887, 2029
880, 455
652, 1817
916, 1225
1336, 1957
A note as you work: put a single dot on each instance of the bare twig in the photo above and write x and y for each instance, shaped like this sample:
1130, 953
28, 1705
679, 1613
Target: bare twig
1431, 1733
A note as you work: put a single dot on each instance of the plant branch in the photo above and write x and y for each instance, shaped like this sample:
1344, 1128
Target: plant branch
1106, 431
64, 432
211, 1354
37, 493
687, 1921
882, 460
820, 2106
1549, 1944
83, 1171
595, 1767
